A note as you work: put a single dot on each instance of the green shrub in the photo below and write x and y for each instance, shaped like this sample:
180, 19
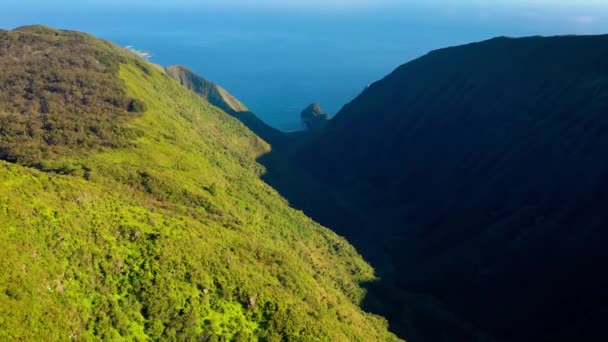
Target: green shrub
60, 94
137, 106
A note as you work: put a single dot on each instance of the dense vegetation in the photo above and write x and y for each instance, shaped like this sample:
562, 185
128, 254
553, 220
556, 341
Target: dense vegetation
60, 91
139, 213
219, 97
475, 178
215, 94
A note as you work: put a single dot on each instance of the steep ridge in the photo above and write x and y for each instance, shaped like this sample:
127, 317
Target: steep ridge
218, 96
215, 94
480, 174
132, 209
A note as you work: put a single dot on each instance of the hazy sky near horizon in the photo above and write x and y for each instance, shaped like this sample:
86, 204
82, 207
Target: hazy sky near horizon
315, 3
583, 16
335, 5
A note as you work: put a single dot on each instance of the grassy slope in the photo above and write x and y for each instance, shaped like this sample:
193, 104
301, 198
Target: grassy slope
234, 103
215, 94
219, 97
173, 236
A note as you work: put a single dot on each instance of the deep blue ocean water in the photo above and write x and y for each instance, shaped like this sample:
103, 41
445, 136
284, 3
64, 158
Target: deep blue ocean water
278, 62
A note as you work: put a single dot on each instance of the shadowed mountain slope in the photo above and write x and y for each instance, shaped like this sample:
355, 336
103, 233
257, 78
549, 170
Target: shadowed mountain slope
478, 175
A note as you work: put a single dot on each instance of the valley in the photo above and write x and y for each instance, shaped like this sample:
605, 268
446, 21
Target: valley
145, 202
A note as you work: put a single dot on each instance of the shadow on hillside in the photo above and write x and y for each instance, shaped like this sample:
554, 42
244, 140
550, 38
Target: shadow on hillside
417, 318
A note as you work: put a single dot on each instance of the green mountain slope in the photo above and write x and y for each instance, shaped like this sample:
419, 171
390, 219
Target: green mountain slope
218, 96
476, 175
132, 209
215, 94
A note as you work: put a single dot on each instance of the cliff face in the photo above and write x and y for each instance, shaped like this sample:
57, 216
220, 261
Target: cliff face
215, 94
481, 170
313, 117
219, 97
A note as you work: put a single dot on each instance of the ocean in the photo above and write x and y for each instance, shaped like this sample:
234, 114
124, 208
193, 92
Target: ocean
278, 62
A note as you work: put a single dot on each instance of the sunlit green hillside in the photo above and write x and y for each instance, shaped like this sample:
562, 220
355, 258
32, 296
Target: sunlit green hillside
130, 208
